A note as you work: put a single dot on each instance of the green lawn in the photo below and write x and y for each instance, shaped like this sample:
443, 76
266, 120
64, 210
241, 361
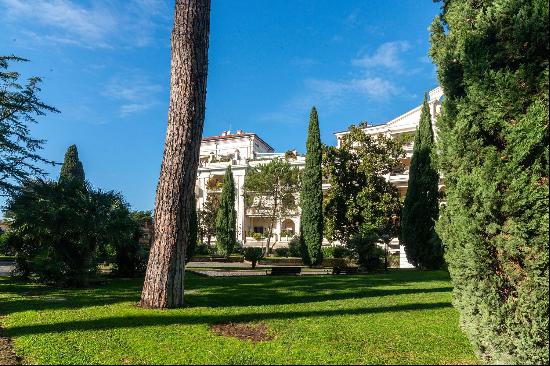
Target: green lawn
398, 317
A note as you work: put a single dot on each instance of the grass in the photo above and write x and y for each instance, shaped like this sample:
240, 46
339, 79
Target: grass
395, 317
7, 257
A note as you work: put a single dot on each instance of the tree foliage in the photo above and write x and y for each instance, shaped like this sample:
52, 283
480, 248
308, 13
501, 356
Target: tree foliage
19, 107
270, 190
360, 200
207, 217
226, 219
72, 171
421, 206
59, 229
193, 232
311, 198
492, 59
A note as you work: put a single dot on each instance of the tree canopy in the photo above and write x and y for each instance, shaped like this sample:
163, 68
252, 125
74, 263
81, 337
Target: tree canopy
492, 59
19, 106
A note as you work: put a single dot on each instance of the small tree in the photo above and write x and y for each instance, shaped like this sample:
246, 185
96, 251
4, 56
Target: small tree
19, 106
72, 171
253, 255
207, 217
311, 198
421, 207
270, 190
226, 219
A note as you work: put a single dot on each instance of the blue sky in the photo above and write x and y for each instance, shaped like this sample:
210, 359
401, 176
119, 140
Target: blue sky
106, 67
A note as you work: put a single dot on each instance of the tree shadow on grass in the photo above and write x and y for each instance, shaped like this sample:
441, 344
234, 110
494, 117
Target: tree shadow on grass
153, 318
223, 292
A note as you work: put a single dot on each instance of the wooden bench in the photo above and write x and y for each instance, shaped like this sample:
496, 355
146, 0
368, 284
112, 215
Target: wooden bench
345, 270
285, 271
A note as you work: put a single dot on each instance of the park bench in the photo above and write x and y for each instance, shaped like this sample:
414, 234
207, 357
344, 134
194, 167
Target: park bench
278, 271
345, 270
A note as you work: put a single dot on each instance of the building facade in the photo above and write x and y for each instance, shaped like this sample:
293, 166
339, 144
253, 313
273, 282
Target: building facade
243, 150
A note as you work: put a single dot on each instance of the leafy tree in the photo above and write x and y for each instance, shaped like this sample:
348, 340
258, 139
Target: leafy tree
164, 281
360, 201
311, 198
19, 106
270, 190
421, 206
492, 59
207, 217
193, 232
226, 219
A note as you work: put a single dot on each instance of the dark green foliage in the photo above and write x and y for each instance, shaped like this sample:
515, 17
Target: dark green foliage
130, 256
282, 252
366, 252
193, 232
226, 218
339, 252
421, 207
6, 248
19, 106
294, 247
492, 59
335, 252
360, 201
311, 198
253, 254
60, 229
72, 171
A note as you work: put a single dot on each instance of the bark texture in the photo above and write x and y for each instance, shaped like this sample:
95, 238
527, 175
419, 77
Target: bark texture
163, 287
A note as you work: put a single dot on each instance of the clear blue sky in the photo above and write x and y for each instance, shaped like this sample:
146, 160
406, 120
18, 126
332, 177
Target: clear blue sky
106, 67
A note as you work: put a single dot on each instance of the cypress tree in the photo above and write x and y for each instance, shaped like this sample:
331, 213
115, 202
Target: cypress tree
311, 198
421, 207
193, 231
72, 170
492, 59
227, 217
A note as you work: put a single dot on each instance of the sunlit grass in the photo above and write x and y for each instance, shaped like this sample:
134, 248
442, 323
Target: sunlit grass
396, 317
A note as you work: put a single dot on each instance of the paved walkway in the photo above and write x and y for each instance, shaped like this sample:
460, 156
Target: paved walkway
6, 268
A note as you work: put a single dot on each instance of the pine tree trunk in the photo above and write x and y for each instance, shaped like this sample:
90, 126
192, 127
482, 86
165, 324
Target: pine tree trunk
163, 287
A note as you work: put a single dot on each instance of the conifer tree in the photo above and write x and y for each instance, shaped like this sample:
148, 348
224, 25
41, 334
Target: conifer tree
226, 218
311, 198
421, 207
193, 231
492, 59
72, 170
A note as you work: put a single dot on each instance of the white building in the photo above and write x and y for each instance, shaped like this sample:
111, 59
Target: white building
243, 150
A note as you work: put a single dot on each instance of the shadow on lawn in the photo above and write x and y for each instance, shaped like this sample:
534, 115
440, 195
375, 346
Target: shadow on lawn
223, 292
156, 319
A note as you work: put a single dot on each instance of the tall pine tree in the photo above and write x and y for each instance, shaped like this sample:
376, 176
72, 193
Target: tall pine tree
226, 218
492, 59
311, 198
421, 208
72, 170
